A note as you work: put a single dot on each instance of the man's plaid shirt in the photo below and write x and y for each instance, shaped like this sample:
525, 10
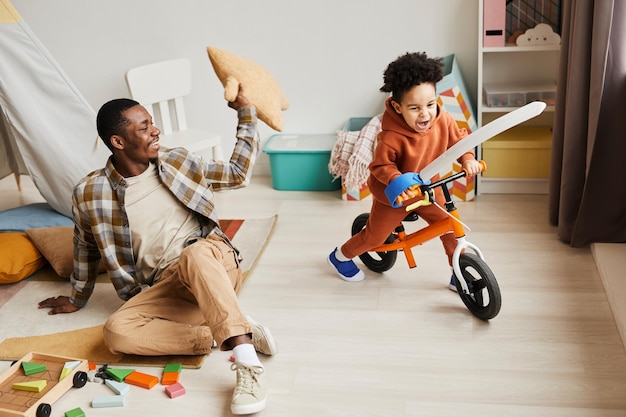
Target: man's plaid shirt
101, 224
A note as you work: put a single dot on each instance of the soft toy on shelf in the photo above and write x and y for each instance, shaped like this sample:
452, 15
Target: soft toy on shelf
540, 35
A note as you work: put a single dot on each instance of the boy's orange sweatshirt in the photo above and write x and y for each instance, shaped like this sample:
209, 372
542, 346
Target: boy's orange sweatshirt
400, 149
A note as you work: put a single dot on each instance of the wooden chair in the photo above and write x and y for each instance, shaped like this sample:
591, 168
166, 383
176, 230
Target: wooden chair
161, 87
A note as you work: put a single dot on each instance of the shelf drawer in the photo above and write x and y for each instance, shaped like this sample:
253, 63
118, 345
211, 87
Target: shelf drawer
521, 152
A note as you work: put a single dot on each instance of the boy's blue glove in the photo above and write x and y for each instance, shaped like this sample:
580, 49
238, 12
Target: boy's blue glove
401, 183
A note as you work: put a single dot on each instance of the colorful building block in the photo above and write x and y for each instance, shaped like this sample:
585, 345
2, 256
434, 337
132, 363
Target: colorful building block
141, 380
110, 401
33, 386
91, 365
119, 374
169, 378
119, 388
33, 368
68, 367
173, 367
175, 390
71, 365
76, 412
64, 372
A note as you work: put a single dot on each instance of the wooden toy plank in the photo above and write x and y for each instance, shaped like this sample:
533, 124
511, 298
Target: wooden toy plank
142, 380
175, 390
108, 401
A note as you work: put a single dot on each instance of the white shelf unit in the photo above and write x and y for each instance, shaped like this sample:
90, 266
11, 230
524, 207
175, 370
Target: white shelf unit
516, 66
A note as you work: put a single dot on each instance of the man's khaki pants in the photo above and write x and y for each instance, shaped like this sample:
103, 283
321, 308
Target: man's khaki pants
193, 303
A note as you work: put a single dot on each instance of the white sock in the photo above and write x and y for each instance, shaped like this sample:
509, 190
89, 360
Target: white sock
340, 256
245, 353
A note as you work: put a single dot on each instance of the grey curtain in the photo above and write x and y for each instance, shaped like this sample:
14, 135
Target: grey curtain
588, 175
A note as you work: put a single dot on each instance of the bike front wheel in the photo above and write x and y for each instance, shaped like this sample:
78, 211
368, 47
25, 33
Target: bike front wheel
484, 299
374, 261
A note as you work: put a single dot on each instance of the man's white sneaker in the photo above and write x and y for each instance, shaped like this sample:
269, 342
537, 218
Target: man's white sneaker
262, 338
250, 395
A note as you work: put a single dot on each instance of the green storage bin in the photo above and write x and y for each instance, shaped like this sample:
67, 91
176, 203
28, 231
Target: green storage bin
356, 123
300, 162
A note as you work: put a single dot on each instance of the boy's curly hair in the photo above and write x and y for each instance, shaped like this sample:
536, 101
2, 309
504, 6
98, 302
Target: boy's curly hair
409, 70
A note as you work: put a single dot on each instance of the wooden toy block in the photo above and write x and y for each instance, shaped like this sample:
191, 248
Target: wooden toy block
33, 386
110, 401
141, 380
169, 378
92, 365
71, 364
119, 374
175, 390
64, 372
119, 388
173, 367
77, 412
32, 368
20, 403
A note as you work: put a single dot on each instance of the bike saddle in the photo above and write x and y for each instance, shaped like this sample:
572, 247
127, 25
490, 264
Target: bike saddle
411, 217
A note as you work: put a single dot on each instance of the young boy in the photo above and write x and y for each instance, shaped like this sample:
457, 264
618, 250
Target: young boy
415, 131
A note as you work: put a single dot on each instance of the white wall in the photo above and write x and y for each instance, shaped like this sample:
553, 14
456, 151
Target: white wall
328, 55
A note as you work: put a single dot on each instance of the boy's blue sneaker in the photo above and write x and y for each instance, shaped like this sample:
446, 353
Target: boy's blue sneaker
452, 285
348, 271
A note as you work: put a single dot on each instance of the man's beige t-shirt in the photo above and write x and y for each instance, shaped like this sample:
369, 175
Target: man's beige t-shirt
160, 225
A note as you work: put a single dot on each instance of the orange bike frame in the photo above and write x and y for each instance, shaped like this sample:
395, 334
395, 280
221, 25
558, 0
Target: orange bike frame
406, 242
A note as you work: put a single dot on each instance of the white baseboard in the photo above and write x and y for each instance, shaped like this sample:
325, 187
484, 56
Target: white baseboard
611, 262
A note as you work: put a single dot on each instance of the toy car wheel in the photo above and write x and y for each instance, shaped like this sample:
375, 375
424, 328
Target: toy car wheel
375, 261
44, 410
484, 299
80, 379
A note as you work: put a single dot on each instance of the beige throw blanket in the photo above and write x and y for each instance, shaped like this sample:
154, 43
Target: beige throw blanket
353, 152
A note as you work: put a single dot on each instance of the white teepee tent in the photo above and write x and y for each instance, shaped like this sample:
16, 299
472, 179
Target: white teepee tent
47, 128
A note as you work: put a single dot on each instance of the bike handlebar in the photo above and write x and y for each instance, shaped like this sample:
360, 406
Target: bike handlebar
460, 174
426, 189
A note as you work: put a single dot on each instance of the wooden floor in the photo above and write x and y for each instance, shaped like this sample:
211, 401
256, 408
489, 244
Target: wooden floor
400, 343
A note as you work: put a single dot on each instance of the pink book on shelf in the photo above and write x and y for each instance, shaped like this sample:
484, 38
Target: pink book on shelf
494, 21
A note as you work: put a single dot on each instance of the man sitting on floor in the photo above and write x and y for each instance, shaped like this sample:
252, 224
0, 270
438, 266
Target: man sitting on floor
150, 217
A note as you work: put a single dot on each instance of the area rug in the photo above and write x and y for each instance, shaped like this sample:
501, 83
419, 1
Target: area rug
25, 328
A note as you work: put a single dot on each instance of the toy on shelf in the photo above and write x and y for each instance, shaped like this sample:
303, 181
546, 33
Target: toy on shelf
540, 35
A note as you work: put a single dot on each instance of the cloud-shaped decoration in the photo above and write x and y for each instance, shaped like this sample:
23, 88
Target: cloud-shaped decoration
542, 34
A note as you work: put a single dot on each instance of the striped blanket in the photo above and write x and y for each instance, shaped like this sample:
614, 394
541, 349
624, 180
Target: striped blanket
353, 152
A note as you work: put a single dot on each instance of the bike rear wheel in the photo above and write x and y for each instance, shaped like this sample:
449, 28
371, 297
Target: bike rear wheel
484, 299
374, 261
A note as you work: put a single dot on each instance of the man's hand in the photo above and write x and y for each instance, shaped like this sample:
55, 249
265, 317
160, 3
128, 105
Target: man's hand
240, 101
60, 304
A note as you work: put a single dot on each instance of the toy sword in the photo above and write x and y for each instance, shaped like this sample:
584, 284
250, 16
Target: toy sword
481, 135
